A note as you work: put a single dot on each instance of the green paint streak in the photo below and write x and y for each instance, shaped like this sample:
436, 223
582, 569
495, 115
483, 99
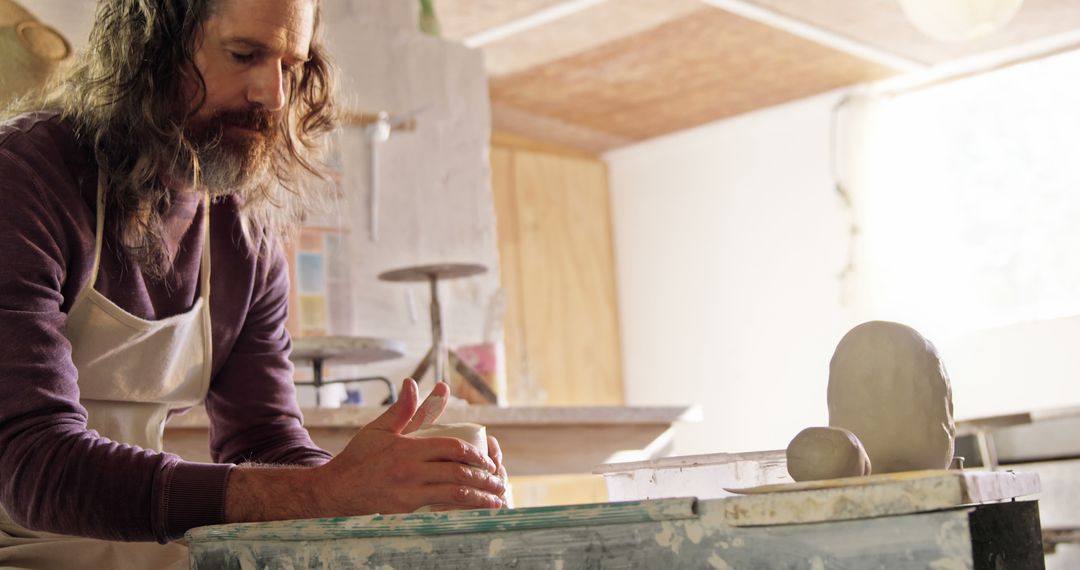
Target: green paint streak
456, 522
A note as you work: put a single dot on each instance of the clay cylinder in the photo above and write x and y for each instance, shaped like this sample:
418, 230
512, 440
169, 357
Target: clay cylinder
889, 387
474, 434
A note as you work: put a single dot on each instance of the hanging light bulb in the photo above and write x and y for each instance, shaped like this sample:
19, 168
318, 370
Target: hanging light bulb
956, 21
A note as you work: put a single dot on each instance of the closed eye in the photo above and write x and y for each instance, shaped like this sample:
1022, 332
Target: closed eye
242, 57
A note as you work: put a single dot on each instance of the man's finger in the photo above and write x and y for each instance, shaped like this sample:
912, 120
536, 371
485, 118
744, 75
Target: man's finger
397, 416
443, 472
431, 409
495, 451
451, 497
496, 455
453, 449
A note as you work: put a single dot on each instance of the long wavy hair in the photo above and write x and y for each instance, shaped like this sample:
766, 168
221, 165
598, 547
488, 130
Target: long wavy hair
127, 95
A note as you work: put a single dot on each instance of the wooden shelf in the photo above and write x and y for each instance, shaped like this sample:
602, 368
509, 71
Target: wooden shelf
535, 440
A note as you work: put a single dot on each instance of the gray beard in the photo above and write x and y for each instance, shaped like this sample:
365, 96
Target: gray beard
225, 172
231, 164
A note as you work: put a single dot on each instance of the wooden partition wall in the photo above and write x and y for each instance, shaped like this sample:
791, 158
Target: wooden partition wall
562, 334
555, 246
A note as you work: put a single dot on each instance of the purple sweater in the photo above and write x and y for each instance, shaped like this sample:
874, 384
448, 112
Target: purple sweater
57, 476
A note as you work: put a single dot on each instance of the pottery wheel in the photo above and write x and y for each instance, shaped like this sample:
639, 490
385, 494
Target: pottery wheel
438, 271
346, 349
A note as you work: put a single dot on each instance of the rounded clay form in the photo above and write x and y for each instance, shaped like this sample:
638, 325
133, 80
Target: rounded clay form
826, 453
474, 434
889, 387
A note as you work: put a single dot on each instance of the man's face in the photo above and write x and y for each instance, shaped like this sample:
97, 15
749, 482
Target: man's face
246, 53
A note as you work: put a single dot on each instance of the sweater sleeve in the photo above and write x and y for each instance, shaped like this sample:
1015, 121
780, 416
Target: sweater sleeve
55, 474
252, 404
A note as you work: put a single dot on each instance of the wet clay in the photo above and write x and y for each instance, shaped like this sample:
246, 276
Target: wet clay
826, 453
473, 434
889, 387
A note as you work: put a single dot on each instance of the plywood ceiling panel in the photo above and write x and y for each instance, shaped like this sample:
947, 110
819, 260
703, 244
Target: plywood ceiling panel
547, 129
881, 23
585, 30
626, 70
699, 68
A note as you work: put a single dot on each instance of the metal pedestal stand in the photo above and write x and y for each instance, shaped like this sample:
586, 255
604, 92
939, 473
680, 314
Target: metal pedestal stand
345, 350
440, 356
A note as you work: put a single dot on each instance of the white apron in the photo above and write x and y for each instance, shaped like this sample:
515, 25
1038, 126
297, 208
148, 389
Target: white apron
131, 373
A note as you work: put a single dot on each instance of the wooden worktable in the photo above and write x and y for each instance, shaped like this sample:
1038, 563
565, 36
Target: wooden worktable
535, 440
941, 520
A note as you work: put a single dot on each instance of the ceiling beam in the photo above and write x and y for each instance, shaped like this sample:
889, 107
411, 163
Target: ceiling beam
794, 26
537, 19
975, 64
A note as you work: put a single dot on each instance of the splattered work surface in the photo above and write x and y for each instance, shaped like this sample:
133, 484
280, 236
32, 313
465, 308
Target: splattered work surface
667, 533
874, 496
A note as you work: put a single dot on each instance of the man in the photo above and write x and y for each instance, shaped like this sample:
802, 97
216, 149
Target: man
142, 274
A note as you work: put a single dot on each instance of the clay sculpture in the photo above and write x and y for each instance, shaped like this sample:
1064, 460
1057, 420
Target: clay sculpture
29, 51
826, 453
889, 387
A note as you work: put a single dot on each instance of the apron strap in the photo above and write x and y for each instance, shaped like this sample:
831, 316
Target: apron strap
204, 267
99, 231
99, 238
204, 294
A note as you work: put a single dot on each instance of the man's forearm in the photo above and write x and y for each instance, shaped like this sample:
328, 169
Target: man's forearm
270, 493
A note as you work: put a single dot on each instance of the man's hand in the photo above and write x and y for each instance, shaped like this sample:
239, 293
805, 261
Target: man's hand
383, 471
380, 471
433, 407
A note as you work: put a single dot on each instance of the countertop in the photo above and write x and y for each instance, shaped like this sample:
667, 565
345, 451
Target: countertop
535, 440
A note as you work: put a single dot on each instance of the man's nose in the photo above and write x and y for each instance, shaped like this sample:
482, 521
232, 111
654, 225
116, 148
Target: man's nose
268, 88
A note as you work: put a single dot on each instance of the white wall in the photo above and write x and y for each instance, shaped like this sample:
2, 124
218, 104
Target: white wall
730, 240
72, 19
967, 193
436, 204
